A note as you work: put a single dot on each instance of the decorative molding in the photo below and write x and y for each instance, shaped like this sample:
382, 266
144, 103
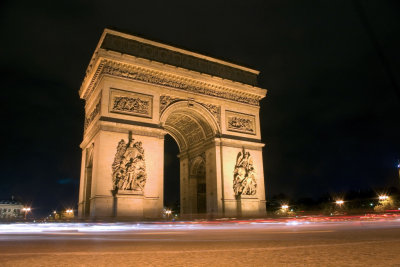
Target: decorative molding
90, 116
215, 111
244, 180
188, 127
129, 168
131, 103
240, 122
240, 138
200, 158
155, 53
166, 101
109, 67
130, 122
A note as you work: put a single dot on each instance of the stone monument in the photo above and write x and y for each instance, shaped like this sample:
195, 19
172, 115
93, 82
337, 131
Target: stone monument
137, 91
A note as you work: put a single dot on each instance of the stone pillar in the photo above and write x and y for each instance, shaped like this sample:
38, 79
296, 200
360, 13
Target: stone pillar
213, 184
104, 202
184, 184
129, 204
241, 205
81, 203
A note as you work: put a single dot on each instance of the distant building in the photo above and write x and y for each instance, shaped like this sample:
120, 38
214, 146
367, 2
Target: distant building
10, 210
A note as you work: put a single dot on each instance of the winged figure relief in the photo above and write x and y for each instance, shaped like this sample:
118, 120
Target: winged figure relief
129, 168
244, 180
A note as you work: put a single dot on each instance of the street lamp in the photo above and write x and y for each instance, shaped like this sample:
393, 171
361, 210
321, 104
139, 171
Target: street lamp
339, 202
383, 197
285, 207
26, 210
168, 212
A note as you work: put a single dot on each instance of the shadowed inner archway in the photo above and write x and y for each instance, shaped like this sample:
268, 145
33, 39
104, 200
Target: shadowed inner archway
171, 174
188, 129
192, 130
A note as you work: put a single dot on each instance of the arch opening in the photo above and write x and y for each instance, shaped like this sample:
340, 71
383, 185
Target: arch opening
171, 174
193, 128
198, 185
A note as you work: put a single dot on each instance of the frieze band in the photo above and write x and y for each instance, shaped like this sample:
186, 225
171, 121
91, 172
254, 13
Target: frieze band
107, 67
159, 54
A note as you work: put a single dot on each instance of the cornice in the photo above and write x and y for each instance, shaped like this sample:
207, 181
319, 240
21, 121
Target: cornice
119, 69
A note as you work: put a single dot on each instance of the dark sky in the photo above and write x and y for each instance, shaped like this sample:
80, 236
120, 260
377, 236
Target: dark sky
330, 121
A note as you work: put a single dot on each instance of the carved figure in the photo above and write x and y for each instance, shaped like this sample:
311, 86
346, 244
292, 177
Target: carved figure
238, 123
244, 180
126, 71
90, 117
130, 104
129, 168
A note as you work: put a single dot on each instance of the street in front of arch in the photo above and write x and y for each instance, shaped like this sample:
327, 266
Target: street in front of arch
310, 241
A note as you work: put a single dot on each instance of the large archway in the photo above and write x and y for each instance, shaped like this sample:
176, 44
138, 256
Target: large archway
193, 127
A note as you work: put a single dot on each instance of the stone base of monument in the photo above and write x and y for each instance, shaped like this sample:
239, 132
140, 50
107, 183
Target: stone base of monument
248, 206
129, 204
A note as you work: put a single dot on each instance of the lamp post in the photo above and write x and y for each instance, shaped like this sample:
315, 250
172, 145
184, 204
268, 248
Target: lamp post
69, 213
383, 197
339, 202
26, 210
168, 212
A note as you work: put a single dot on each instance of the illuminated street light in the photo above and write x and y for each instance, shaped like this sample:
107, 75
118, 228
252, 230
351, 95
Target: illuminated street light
26, 210
383, 197
168, 212
339, 202
69, 211
285, 207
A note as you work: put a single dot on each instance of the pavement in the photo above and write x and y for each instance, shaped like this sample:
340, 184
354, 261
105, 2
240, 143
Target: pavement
308, 241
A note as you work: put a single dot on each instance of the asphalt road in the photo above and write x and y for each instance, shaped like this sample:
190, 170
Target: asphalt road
345, 243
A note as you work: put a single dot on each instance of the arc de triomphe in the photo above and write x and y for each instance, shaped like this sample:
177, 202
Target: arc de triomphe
136, 91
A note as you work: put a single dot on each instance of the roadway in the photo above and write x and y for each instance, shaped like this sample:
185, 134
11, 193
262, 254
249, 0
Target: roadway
298, 242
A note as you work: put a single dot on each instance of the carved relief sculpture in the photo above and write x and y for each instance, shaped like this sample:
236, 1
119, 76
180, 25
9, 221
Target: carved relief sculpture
215, 111
131, 103
92, 115
108, 67
244, 180
238, 122
166, 100
129, 168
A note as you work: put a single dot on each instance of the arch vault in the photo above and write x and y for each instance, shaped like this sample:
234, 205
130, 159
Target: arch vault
136, 91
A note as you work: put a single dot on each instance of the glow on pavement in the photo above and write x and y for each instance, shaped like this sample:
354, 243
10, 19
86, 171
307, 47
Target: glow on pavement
49, 227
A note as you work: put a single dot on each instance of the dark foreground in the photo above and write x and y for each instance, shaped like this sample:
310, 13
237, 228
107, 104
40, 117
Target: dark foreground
373, 242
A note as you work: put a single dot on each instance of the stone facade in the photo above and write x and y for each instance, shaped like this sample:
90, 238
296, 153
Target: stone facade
210, 107
10, 210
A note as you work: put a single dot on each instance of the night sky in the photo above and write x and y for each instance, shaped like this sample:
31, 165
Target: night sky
330, 120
